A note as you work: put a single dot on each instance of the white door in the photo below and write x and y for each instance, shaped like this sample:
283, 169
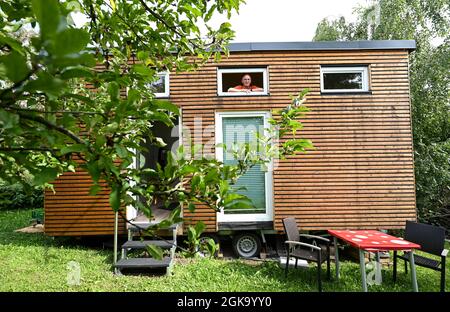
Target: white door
240, 127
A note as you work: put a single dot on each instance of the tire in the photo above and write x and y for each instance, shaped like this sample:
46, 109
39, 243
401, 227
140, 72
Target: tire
246, 245
212, 236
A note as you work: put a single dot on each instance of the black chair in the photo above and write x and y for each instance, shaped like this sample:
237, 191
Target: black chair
301, 250
431, 238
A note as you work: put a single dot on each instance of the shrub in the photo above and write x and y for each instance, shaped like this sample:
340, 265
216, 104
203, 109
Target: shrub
16, 196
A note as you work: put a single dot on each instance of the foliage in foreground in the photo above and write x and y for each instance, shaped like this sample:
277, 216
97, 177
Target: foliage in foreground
51, 123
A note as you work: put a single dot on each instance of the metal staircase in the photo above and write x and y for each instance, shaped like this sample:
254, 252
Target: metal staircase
125, 262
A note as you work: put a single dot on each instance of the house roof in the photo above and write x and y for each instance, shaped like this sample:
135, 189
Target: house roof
324, 45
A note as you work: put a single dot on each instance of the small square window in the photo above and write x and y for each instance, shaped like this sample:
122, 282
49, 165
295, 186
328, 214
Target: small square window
344, 79
242, 81
160, 87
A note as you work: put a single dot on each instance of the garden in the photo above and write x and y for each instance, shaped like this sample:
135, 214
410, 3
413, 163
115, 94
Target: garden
35, 262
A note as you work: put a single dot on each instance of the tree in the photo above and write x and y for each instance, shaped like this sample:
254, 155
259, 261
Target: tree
333, 30
427, 22
50, 123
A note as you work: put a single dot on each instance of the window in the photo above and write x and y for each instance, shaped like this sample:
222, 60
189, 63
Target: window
242, 81
344, 79
160, 87
241, 127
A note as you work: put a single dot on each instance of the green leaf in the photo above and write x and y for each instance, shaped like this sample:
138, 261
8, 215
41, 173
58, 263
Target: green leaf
191, 234
45, 175
195, 181
14, 66
212, 176
191, 207
142, 55
155, 251
167, 106
46, 83
73, 148
114, 198
121, 150
47, 15
94, 170
112, 127
144, 70
210, 247
294, 124
100, 140
70, 41
161, 116
175, 214
160, 142
113, 5
76, 72
210, 12
8, 120
95, 189
113, 90
188, 169
133, 95
79, 97
199, 228
12, 43
85, 59
221, 145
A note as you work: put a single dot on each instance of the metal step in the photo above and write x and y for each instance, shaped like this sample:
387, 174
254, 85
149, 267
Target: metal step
144, 225
143, 244
138, 263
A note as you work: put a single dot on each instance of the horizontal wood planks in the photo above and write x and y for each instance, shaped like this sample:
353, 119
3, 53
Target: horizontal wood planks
71, 211
361, 173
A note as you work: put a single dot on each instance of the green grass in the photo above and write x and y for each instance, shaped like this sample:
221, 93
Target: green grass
34, 262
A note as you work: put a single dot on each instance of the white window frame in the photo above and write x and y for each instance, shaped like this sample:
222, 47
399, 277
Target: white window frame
268, 216
262, 70
364, 70
166, 92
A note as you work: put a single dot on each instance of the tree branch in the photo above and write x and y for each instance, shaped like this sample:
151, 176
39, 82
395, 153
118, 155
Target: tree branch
26, 149
52, 126
175, 29
15, 108
159, 18
129, 26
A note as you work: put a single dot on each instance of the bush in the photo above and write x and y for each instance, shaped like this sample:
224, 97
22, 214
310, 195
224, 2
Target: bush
16, 196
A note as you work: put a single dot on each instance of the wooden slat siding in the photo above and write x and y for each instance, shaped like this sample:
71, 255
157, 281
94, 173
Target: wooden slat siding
71, 211
361, 173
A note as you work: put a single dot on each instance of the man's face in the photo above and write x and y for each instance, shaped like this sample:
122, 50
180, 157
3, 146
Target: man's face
246, 81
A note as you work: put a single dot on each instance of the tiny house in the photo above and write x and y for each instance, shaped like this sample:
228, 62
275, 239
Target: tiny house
359, 176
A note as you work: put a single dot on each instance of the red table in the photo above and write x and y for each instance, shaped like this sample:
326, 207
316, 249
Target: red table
373, 241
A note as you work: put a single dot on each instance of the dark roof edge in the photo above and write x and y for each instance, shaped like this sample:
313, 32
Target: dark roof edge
324, 45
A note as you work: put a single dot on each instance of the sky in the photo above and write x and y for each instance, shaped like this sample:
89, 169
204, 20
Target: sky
280, 20
286, 20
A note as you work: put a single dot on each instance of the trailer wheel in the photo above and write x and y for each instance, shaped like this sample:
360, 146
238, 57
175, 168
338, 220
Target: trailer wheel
246, 245
204, 237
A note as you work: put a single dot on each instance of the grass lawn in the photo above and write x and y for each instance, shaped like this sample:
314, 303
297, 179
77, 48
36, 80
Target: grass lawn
34, 262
